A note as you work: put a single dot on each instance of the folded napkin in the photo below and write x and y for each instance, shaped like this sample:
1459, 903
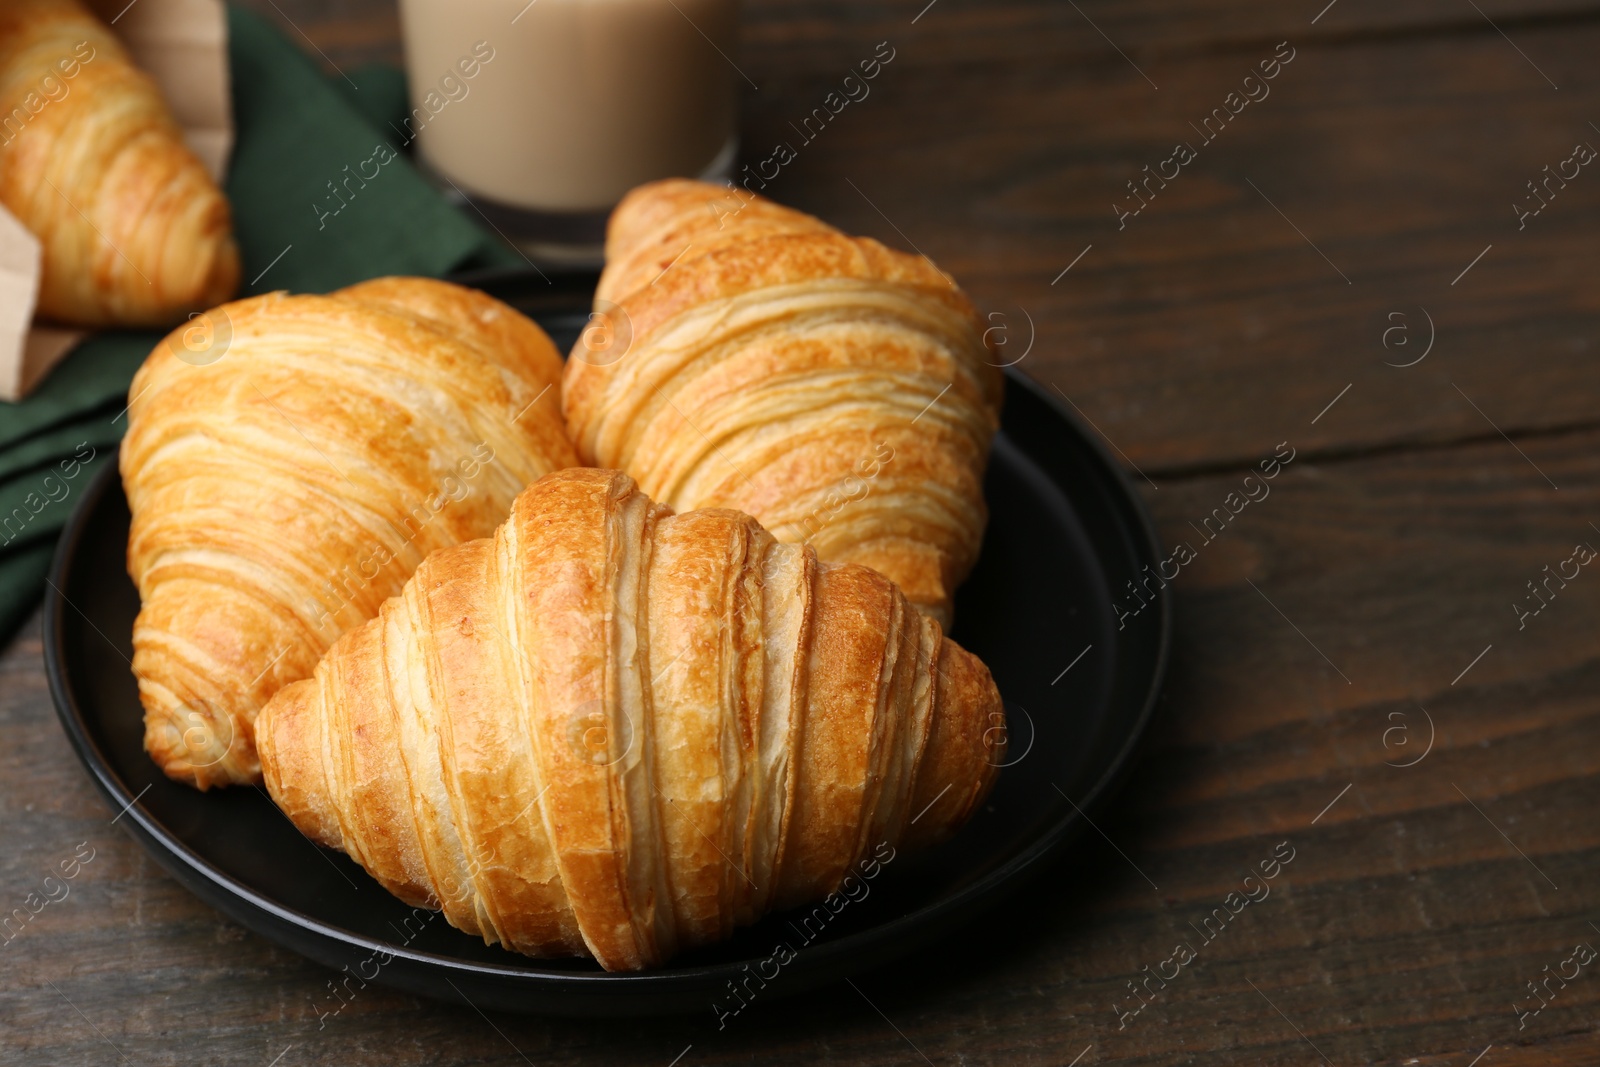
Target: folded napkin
302, 225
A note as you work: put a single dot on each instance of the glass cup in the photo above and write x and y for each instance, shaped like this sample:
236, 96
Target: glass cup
543, 114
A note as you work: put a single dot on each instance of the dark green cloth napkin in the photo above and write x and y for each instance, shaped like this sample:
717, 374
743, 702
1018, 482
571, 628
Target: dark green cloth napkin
297, 133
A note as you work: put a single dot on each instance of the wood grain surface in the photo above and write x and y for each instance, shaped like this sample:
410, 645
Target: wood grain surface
1335, 628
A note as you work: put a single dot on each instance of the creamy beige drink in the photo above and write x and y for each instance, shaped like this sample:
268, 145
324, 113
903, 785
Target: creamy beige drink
561, 106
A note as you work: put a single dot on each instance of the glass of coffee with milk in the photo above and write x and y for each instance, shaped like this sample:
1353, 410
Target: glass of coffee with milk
542, 113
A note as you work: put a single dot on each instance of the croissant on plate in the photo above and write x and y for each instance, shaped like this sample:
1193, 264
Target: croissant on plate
133, 230
618, 732
289, 461
745, 355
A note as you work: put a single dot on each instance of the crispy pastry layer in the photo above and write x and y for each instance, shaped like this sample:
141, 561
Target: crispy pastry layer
842, 393
615, 731
288, 475
134, 231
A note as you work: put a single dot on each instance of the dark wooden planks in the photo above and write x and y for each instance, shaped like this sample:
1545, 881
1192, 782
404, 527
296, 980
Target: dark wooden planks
348, 33
1210, 327
1408, 926
959, 32
805, 33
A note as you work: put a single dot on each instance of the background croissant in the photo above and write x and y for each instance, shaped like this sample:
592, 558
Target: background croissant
133, 229
614, 731
289, 461
840, 392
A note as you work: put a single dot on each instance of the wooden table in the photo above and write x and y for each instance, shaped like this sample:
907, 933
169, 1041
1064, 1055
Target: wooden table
1340, 268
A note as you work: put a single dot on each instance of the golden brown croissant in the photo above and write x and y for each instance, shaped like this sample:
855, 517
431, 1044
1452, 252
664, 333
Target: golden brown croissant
288, 479
755, 358
614, 731
678, 219
133, 229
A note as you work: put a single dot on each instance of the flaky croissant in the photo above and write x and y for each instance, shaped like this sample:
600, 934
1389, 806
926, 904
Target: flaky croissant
614, 731
744, 355
133, 229
289, 461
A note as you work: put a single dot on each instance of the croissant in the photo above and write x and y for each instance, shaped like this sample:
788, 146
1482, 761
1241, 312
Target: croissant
618, 732
748, 356
133, 230
289, 461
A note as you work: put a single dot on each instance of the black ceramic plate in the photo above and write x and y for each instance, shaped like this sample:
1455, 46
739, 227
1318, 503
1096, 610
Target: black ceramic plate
1066, 533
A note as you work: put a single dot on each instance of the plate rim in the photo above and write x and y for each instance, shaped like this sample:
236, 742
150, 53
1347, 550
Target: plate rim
870, 945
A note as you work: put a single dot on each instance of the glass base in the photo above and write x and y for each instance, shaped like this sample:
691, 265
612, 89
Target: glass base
559, 238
